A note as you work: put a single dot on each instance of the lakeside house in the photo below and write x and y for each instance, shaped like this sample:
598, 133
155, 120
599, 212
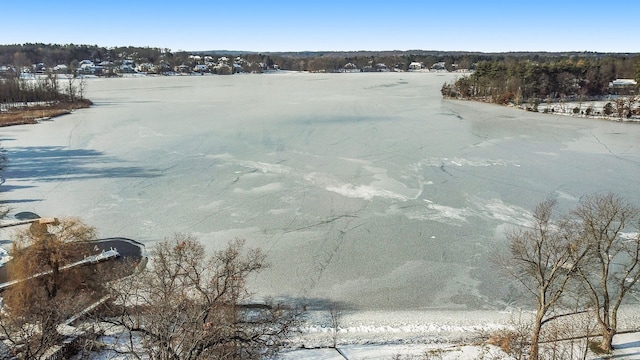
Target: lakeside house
60, 68
623, 87
201, 68
147, 68
350, 68
439, 66
416, 65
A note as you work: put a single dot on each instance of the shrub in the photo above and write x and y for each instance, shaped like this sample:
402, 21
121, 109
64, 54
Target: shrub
510, 341
594, 346
589, 111
608, 109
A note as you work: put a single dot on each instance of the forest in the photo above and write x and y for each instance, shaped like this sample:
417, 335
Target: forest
530, 81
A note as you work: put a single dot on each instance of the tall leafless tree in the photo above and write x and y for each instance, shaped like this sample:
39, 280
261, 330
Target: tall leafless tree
335, 314
543, 258
613, 264
188, 305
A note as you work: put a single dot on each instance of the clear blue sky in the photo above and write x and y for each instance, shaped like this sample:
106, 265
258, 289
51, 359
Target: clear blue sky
271, 25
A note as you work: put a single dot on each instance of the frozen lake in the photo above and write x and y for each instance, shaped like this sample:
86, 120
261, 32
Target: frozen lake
365, 188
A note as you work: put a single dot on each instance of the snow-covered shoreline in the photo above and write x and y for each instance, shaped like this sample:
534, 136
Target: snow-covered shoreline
414, 334
411, 334
591, 109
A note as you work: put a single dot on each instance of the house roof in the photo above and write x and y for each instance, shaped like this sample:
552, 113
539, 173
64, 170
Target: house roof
623, 82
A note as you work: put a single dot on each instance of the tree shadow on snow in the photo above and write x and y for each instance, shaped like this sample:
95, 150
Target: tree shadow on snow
8, 188
628, 355
5, 188
620, 356
52, 163
11, 201
631, 344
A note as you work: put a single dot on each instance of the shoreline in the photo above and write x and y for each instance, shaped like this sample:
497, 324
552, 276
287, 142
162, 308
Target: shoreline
566, 109
29, 115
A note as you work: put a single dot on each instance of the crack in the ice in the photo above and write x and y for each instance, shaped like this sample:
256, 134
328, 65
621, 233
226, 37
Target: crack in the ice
324, 222
445, 170
604, 145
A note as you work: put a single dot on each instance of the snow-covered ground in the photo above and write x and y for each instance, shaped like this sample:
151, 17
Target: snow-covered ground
409, 335
383, 334
429, 334
401, 352
587, 109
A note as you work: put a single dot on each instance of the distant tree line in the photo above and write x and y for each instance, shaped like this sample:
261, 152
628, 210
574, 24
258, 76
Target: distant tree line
50, 55
609, 66
40, 56
520, 80
25, 55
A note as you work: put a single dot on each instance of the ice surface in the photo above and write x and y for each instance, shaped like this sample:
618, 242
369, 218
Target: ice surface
384, 197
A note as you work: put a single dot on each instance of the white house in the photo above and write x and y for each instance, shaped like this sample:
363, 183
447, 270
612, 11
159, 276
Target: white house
61, 68
87, 67
623, 86
147, 68
441, 65
349, 67
380, 67
416, 65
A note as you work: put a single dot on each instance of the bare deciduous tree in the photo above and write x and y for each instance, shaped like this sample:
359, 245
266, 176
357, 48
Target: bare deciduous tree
613, 264
335, 316
542, 258
620, 106
591, 246
188, 305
